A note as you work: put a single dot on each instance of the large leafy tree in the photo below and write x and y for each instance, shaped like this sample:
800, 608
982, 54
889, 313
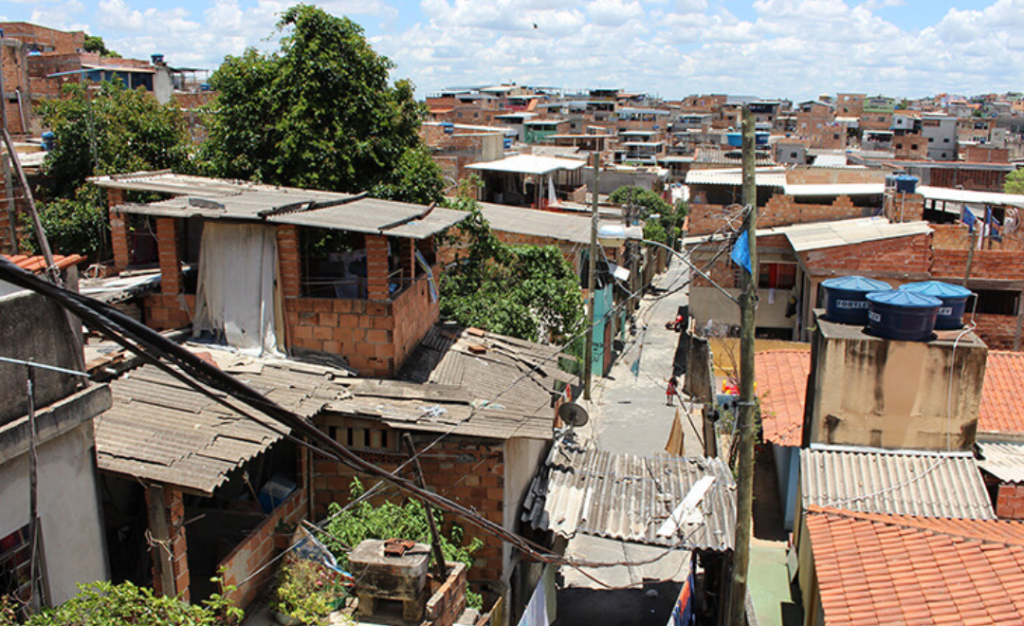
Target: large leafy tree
321, 112
1014, 182
112, 130
530, 292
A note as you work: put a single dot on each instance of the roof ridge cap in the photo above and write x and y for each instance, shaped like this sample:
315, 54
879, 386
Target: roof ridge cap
918, 523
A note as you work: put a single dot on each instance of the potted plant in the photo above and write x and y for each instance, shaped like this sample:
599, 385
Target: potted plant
305, 594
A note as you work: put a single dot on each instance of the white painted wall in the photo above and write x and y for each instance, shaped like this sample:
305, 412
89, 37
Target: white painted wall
522, 459
69, 509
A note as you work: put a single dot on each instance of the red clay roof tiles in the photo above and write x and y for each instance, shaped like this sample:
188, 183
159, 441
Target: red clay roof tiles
782, 382
888, 569
36, 264
1002, 395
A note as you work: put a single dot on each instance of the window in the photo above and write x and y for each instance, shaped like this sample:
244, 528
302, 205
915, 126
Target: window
993, 302
913, 146
931, 139
776, 276
945, 140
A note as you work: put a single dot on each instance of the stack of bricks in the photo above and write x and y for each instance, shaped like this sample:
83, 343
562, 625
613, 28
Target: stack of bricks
176, 545
258, 550
472, 474
449, 601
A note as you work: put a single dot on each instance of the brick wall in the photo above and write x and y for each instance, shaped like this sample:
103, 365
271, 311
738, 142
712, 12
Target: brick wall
1010, 501
167, 311
997, 331
118, 230
447, 602
910, 255
970, 179
468, 471
174, 507
60, 41
259, 549
956, 236
986, 154
990, 264
832, 176
780, 210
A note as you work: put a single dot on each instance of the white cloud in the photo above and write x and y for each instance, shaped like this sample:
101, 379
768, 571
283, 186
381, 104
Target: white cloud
58, 15
613, 12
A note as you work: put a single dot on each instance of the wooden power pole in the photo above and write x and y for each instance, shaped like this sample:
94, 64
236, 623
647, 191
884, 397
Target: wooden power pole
747, 404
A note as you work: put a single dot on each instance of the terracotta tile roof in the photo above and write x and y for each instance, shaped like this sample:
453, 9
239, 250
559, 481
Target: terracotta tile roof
890, 569
1002, 394
782, 386
37, 264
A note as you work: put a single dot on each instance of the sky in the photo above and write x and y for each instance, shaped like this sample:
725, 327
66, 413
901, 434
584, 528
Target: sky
796, 49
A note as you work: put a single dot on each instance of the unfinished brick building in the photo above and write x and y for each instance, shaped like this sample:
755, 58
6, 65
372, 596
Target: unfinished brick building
328, 273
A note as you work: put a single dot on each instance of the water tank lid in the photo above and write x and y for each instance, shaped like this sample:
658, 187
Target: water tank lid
938, 289
48, 135
905, 177
905, 299
856, 283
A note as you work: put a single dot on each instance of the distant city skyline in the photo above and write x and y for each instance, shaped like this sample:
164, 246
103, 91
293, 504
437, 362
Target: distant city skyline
795, 49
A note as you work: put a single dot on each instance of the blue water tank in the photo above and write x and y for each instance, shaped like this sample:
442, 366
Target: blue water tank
448, 128
204, 87
905, 183
902, 315
953, 297
845, 301
734, 139
48, 140
761, 139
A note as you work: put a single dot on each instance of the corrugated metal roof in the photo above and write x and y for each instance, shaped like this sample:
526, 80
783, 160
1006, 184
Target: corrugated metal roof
765, 177
627, 497
1003, 460
905, 482
528, 164
159, 429
562, 226
213, 198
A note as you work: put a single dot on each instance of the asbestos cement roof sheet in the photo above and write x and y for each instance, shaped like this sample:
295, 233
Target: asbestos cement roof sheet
904, 482
162, 430
674, 566
966, 196
844, 189
529, 164
765, 177
561, 226
628, 497
820, 235
1004, 460
213, 198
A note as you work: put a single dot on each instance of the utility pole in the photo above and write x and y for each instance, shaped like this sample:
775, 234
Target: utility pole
745, 424
588, 349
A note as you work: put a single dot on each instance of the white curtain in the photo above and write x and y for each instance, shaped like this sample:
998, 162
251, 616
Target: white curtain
237, 288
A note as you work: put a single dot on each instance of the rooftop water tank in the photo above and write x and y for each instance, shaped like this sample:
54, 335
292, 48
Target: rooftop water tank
761, 138
448, 127
905, 183
48, 140
953, 297
902, 315
734, 139
845, 301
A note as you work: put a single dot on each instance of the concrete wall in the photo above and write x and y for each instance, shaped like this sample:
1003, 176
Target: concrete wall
522, 459
787, 469
74, 547
32, 327
893, 394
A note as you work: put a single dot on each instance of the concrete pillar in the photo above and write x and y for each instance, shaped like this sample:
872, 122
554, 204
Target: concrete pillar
377, 267
167, 229
288, 257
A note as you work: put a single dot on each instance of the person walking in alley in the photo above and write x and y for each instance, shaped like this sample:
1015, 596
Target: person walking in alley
670, 390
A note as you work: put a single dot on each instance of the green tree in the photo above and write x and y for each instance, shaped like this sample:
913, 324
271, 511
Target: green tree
104, 604
96, 44
417, 179
321, 113
667, 226
78, 225
1014, 182
114, 131
529, 292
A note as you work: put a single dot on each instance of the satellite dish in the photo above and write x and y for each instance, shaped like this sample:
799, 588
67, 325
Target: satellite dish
573, 414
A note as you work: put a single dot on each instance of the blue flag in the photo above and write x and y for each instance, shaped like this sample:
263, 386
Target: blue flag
741, 252
969, 219
991, 225
635, 368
